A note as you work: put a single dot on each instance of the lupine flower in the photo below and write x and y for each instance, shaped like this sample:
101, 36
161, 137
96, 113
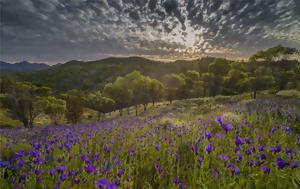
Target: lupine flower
63, 177
209, 148
238, 148
199, 162
33, 153
39, 180
288, 151
263, 157
227, 127
281, 163
51, 172
273, 130
91, 169
220, 119
208, 134
20, 163
158, 169
72, 173
37, 146
294, 164
86, 159
239, 156
38, 171
236, 171
157, 147
276, 149
215, 173
61, 169
220, 135
105, 184
176, 180
261, 148
265, 169
252, 148
120, 173
239, 141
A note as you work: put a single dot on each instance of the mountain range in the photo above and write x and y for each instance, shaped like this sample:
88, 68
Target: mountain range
23, 66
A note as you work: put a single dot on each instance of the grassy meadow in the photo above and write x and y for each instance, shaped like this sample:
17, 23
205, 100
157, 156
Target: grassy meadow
220, 142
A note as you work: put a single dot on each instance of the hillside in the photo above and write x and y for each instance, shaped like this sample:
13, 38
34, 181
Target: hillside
94, 74
219, 140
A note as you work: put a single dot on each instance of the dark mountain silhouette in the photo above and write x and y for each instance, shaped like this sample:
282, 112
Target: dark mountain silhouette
23, 66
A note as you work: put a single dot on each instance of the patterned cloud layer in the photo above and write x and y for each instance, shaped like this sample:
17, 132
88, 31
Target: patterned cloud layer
60, 30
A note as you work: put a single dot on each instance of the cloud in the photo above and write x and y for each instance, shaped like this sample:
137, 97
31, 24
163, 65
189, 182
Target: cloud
59, 30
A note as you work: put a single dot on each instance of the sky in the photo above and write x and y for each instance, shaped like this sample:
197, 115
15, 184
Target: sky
53, 31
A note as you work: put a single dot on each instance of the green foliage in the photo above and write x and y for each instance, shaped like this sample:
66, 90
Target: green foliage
174, 84
120, 92
275, 53
54, 108
74, 105
6, 120
219, 67
99, 103
289, 93
23, 102
157, 90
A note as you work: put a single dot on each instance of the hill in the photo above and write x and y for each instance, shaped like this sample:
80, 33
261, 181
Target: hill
92, 75
23, 66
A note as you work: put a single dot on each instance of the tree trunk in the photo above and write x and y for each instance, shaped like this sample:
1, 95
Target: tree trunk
121, 112
254, 94
99, 116
136, 110
145, 107
103, 116
25, 122
31, 124
153, 103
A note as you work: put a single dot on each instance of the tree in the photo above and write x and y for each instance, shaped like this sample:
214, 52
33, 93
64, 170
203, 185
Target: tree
157, 90
74, 105
260, 80
207, 79
174, 84
24, 102
140, 87
232, 82
100, 103
283, 78
54, 108
7, 84
220, 67
119, 92
276, 53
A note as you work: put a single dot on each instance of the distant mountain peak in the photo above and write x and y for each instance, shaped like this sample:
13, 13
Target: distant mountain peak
23, 66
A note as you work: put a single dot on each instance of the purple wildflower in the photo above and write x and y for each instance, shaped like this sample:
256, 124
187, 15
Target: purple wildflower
220, 119
239, 141
227, 127
281, 163
294, 165
266, 170
209, 148
261, 148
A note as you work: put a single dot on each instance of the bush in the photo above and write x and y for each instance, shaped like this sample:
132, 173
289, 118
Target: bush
289, 93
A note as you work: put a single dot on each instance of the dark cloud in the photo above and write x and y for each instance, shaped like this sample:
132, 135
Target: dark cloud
59, 30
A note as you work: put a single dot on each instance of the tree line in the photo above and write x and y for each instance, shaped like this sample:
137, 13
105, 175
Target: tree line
267, 69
